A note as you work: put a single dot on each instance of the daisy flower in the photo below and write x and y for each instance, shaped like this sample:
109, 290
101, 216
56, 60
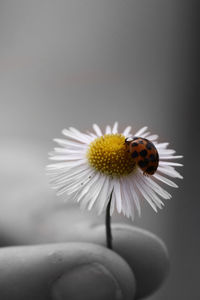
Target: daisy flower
96, 169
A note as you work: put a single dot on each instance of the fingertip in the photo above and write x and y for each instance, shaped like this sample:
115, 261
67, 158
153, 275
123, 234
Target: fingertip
145, 253
65, 271
88, 281
98, 274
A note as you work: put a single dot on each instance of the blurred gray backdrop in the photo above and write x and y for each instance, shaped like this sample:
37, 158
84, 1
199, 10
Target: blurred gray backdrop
75, 62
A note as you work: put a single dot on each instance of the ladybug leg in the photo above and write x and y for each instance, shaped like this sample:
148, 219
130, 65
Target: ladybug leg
145, 174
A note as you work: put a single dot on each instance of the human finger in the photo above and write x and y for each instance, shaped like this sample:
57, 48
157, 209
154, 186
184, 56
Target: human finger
145, 253
64, 271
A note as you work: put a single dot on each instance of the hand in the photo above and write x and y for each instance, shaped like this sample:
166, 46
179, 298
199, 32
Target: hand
85, 270
30, 214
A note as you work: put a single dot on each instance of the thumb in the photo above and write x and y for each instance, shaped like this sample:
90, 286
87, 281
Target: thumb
64, 271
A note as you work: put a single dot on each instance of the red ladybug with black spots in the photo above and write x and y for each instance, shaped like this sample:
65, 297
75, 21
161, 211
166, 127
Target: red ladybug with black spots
144, 154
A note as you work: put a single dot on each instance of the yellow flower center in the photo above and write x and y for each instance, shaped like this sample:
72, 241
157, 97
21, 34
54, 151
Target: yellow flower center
108, 154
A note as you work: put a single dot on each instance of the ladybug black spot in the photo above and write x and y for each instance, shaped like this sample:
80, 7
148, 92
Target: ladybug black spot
134, 154
151, 170
141, 142
143, 153
149, 145
152, 158
143, 163
134, 144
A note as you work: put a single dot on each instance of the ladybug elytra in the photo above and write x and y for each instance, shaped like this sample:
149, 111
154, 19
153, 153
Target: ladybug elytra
144, 154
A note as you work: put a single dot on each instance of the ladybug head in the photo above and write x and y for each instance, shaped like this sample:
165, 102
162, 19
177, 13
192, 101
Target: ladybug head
129, 139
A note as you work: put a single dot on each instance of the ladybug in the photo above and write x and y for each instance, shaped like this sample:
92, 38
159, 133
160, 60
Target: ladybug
144, 153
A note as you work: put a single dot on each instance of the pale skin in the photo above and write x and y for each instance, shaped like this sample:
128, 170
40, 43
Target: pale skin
86, 270
64, 254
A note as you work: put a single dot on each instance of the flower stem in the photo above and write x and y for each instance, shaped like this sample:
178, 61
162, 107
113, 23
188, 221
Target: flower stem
108, 227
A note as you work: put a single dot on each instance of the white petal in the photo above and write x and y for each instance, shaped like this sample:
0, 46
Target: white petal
133, 191
166, 151
72, 175
170, 172
66, 174
94, 136
108, 130
97, 189
128, 208
154, 197
78, 134
67, 151
65, 165
115, 127
103, 197
117, 193
64, 189
113, 204
151, 192
67, 157
77, 137
86, 187
144, 135
126, 131
157, 188
97, 130
66, 143
92, 192
152, 137
124, 202
131, 203
166, 163
170, 156
162, 145
145, 195
141, 131
75, 185
165, 180
56, 167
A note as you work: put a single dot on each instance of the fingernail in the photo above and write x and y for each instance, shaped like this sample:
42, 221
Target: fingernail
91, 281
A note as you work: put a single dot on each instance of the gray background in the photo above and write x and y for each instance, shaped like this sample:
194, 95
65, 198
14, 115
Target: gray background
75, 62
